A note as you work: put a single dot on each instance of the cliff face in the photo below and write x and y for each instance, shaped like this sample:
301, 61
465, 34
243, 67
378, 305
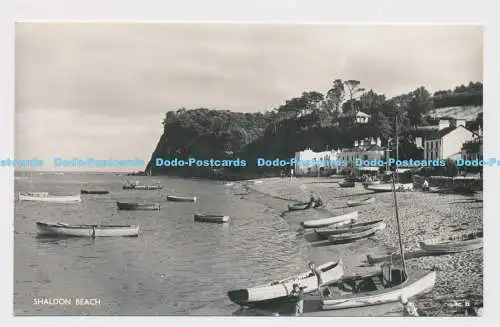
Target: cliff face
205, 134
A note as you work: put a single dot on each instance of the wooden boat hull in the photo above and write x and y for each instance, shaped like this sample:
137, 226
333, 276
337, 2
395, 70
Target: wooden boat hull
387, 187
466, 242
299, 206
360, 202
317, 223
263, 295
348, 228
416, 284
65, 230
137, 206
53, 199
94, 192
347, 184
208, 218
349, 237
174, 198
142, 187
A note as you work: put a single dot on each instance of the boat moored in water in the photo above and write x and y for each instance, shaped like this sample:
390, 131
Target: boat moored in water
137, 206
45, 197
211, 218
174, 198
61, 229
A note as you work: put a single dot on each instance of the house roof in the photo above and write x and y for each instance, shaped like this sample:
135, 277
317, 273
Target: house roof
439, 134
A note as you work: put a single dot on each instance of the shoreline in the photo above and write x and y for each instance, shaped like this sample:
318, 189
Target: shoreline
422, 215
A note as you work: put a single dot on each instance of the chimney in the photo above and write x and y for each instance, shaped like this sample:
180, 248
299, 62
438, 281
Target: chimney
443, 123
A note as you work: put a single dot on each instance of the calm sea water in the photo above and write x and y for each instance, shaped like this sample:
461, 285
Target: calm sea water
175, 267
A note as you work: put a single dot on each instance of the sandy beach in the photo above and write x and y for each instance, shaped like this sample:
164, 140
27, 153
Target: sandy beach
422, 215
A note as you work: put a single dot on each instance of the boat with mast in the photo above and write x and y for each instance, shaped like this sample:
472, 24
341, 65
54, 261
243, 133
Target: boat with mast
388, 285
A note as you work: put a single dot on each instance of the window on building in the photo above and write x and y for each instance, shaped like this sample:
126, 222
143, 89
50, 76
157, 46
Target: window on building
365, 157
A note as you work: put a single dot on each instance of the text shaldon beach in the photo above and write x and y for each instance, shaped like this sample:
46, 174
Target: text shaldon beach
66, 301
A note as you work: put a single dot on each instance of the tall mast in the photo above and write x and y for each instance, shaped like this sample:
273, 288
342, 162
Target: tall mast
398, 223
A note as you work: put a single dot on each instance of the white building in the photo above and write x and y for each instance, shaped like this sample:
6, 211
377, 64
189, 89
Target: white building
447, 142
370, 149
310, 162
362, 118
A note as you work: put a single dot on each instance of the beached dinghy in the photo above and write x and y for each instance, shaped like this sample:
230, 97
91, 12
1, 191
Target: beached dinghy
299, 206
94, 191
460, 243
174, 198
61, 229
263, 295
378, 288
317, 223
353, 236
210, 218
137, 206
387, 187
50, 198
360, 202
348, 228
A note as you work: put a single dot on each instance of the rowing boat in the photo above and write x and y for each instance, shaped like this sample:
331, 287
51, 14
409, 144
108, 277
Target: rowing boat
174, 198
353, 236
94, 191
142, 187
137, 206
387, 187
50, 198
61, 229
280, 290
360, 202
348, 228
299, 206
210, 218
38, 194
459, 243
317, 223
385, 286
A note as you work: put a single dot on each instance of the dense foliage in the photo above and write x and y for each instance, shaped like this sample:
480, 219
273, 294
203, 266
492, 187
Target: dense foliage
311, 120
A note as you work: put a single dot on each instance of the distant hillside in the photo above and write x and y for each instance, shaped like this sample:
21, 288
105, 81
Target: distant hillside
458, 112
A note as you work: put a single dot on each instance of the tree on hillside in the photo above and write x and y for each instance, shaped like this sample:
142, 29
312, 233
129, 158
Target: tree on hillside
334, 96
419, 105
353, 89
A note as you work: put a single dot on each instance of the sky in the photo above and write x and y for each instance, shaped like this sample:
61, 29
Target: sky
101, 90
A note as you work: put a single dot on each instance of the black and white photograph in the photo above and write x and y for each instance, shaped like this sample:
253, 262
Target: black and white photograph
248, 169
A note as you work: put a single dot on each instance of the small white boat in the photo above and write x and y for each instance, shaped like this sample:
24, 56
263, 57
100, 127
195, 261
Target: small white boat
377, 288
174, 198
39, 194
280, 290
210, 218
353, 236
348, 228
61, 229
317, 223
360, 202
459, 243
50, 198
387, 187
